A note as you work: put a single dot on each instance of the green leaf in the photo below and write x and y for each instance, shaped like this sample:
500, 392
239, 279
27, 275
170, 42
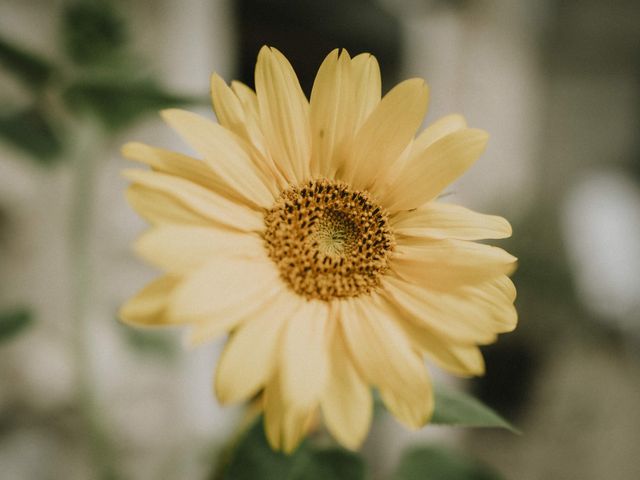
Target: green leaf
431, 463
118, 103
14, 322
151, 342
92, 32
461, 409
254, 459
31, 131
333, 463
34, 70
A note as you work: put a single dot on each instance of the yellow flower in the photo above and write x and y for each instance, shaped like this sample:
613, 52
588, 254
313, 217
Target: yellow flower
311, 233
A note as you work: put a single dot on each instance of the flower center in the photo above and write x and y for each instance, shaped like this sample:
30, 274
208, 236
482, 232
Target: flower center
328, 241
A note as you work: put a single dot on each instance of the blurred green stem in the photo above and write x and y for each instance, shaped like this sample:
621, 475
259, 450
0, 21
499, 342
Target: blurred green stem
88, 151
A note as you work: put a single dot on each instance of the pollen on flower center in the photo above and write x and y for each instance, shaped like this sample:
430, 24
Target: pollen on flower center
328, 240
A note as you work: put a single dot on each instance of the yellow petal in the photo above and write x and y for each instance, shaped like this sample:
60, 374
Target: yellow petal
284, 114
427, 174
441, 264
367, 86
224, 155
201, 201
159, 208
459, 359
180, 248
386, 356
148, 306
347, 404
451, 316
440, 220
285, 426
224, 285
496, 298
247, 97
386, 133
250, 356
172, 163
437, 130
413, 412
331, 114
304, 358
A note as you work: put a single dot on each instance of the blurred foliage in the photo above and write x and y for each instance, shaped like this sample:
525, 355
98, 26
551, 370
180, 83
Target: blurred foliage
32, 69
118, 103
108, 82
31, 131
434, 463
253, 458
13, 322
152, 342
92, 32
461, 409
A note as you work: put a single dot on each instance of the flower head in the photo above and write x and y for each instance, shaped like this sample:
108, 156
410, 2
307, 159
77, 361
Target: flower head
311, 233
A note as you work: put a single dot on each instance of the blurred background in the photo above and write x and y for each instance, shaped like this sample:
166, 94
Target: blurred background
555, 82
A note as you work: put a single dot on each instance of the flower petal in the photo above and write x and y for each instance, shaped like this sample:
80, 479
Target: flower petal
304, 358
437, 130
224, 155
173, 163
386, 133
180, 249
331, 114
347, 403
427, 174
159, 208
224, 286
386, 357
440, 220
284, 114
148, 306
250, 356
201, 201
367, 86
447, 315
442, 264
285, 426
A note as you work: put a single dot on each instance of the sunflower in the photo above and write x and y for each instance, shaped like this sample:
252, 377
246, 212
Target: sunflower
311, 233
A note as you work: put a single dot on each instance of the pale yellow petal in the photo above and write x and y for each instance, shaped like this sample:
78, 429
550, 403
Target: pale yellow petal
173, 163
148, 306
250, 356
203, 202
415, 411
442, 264
285, 426
386, 133
223, 152
180, 248
304, 357
347, 403
496, 298
367, 86
224, 284
158, 208
247, 97
331, 114
438, 129
284, 114
386, 356
427, 174
228, 107
454, 317
460, 359
440, 220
